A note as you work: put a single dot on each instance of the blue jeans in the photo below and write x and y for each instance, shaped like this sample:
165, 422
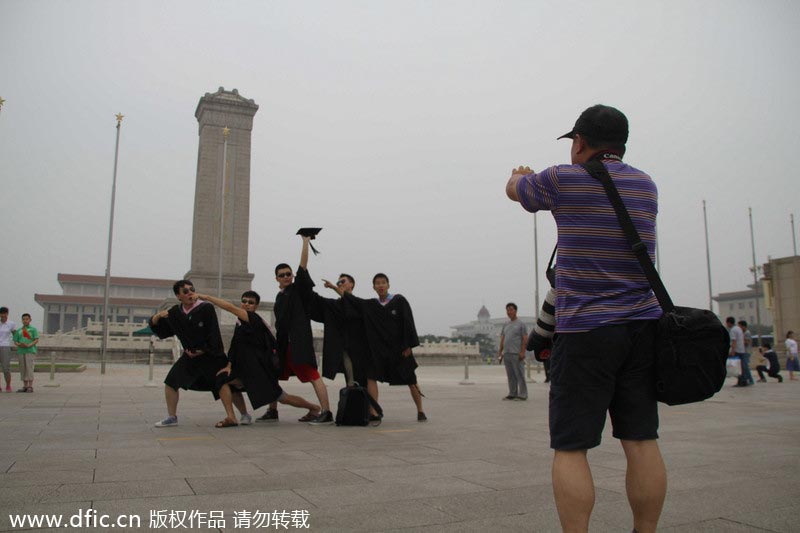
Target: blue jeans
746, 376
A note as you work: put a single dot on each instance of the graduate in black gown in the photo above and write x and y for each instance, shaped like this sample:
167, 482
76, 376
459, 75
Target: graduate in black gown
345, 338
194, 322
294, 336
252, 363
345, 347
391, 334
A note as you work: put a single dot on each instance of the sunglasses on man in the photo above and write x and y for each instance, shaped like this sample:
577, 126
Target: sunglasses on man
285, 275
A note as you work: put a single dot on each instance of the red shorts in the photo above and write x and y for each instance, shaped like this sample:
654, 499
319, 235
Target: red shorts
304, 372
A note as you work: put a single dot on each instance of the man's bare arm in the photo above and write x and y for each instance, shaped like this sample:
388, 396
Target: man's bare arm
240, 313
304, 253
516, 175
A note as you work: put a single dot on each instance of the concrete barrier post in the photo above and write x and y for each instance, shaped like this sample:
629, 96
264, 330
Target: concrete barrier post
150, 382
52, 382
466, 380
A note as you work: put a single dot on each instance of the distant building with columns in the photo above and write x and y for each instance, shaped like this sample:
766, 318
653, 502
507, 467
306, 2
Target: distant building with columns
741, 305
131, 300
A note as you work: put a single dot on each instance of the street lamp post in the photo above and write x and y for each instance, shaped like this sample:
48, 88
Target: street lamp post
104, 346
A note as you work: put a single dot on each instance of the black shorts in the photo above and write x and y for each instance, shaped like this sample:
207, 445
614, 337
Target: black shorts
608, 369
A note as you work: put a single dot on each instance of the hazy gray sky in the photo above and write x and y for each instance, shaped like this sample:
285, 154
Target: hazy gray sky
393, 125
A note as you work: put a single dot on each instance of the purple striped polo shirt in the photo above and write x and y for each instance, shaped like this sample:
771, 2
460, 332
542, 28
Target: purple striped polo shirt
598, 279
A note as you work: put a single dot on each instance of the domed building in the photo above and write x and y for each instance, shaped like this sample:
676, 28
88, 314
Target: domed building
488, 326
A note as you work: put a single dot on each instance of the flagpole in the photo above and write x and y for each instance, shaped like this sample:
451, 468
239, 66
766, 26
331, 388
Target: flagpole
794, 238
225, 133
708, 259
755, 268
104, 346
536, 266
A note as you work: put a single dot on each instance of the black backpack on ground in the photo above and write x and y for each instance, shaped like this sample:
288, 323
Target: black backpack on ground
354, 403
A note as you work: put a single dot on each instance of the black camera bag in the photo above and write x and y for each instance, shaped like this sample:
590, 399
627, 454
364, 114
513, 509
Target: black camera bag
691, 344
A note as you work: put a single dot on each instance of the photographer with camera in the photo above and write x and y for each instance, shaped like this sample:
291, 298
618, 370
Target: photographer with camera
606, 314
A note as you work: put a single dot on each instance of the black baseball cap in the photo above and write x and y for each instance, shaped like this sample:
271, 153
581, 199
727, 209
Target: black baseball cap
601, 123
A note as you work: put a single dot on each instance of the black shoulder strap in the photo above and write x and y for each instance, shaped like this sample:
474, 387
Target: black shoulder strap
598, 171
550, 273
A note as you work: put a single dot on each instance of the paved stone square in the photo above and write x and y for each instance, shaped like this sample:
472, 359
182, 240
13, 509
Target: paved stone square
478, 464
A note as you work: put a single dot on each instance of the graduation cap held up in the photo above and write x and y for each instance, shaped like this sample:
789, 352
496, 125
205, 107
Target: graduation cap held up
311, 233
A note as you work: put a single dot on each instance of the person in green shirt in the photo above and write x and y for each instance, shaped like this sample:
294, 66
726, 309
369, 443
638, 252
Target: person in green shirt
26, 338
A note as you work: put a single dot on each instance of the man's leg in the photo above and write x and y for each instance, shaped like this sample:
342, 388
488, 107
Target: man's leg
238, 401
573, 489
760, 369
510, 375
322, 393
171, 395
416, 396
227, 401
5, 356
522, 387
348, 369
645, 483
747, 376
21, 358
372, 389
297, 401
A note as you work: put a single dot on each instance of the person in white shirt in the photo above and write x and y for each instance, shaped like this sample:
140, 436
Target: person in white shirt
7, 328
792, 364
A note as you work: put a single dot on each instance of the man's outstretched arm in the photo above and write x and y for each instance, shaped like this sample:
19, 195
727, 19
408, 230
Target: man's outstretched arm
240, 313
304, 253
511, 186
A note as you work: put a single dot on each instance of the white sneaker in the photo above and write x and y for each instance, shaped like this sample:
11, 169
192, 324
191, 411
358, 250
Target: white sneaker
246, 419
168, 422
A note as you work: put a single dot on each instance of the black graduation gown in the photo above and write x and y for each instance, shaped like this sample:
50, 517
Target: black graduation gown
250, 355
292, 321
344, 331
390, 330
197, 330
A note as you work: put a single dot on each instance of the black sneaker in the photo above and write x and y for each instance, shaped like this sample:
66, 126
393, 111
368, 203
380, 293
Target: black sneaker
375, 420
421, 417
270, 416
509, 397
325, 417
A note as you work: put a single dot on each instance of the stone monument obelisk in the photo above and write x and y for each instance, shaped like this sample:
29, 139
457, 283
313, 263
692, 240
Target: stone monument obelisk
222, 195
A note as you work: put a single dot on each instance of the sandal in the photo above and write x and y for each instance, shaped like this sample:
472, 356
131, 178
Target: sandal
226, 423
309, 416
